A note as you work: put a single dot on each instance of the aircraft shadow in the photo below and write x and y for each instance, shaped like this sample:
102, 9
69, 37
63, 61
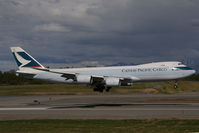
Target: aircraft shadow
114, 105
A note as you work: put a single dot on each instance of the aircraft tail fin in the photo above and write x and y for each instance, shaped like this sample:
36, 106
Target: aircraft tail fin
23, 59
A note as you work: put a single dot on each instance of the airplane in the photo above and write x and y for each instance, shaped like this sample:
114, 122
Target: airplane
101, 78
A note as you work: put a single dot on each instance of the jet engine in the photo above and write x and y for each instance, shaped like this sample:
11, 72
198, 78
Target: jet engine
83, 79
112, 81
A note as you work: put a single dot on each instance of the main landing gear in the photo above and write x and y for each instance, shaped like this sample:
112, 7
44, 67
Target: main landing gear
101, 88
108, 89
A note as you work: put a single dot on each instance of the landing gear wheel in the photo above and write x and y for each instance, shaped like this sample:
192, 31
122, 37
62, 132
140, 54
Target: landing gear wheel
176, 84
99, 88
108, 89
95, 89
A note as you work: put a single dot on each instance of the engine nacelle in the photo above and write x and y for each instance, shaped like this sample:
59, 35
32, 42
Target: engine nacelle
83, 79
112, 81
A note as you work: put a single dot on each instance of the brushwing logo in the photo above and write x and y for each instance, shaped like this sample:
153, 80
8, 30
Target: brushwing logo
24, 60
21, 60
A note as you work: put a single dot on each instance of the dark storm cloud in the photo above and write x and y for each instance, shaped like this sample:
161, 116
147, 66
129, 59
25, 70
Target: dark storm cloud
112, 31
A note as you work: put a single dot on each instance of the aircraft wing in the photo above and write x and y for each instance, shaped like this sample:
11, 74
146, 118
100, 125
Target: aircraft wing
67, 74
96, 79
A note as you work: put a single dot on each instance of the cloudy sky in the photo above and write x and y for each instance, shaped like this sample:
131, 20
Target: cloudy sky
101, 32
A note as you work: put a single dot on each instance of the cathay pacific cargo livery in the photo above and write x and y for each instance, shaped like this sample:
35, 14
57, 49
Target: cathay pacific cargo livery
101, 78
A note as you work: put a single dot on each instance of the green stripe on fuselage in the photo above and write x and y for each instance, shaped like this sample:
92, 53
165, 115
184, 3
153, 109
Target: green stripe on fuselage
184, 68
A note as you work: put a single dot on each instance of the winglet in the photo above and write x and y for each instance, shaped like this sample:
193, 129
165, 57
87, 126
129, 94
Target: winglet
23, 59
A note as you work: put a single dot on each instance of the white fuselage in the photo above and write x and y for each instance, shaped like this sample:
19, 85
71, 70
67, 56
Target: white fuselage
146, 72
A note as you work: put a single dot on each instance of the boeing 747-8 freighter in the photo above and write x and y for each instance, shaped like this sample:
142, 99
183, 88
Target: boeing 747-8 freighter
100, 77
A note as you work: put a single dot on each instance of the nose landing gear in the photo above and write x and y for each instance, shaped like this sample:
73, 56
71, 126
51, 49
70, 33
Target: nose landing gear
176, 84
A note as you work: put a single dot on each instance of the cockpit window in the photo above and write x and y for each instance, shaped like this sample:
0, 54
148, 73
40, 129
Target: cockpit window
179, 63
184, 68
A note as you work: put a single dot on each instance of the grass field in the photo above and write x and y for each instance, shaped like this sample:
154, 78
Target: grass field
99, 126
63, 89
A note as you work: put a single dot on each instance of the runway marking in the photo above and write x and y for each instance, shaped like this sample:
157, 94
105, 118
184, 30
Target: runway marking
7, 109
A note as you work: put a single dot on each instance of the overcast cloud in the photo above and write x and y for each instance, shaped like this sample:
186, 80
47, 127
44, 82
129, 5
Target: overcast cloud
103, 31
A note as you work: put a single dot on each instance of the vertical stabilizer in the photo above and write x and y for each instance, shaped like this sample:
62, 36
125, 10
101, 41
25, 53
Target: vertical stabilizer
23, 59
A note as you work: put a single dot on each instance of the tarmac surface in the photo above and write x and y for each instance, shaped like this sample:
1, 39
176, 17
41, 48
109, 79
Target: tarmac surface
102, 106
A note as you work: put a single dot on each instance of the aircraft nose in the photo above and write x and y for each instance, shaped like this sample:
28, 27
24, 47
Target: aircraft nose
193, 71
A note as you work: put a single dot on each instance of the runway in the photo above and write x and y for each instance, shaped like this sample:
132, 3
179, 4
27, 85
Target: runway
102, 106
